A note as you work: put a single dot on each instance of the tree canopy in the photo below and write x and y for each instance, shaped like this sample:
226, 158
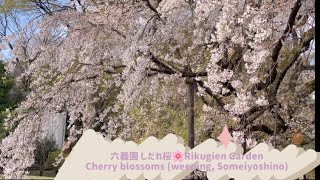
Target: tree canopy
131, 69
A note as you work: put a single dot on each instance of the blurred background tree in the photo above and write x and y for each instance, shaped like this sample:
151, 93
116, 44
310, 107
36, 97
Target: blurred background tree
10, 96
42, 151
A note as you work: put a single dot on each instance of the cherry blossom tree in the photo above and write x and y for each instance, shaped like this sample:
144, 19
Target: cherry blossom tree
105, 63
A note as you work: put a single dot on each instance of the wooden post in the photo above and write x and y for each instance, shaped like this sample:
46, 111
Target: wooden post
190, 104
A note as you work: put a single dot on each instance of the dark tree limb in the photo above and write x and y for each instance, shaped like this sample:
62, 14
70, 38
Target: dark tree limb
294, 54
152, 8
210, 93
276, 50
262, 128
160, 64
245, 121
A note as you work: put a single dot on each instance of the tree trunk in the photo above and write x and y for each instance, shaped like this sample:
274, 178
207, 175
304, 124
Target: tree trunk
56, 170
41, 170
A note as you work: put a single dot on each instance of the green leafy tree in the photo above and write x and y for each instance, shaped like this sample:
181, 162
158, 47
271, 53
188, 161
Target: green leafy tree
6, 84
10, 96
44, 147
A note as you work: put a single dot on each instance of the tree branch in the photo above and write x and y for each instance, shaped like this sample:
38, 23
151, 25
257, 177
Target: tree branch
152, 8
276, 50
209, 92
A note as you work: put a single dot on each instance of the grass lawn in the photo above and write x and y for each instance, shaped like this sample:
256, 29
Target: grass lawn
34, 174
32, 177
48, 173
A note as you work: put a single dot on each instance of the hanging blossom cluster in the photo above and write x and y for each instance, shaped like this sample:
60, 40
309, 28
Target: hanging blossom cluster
244, 28
216, 76
17, 148
238, 137
133, 76
69, 63
251, 29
